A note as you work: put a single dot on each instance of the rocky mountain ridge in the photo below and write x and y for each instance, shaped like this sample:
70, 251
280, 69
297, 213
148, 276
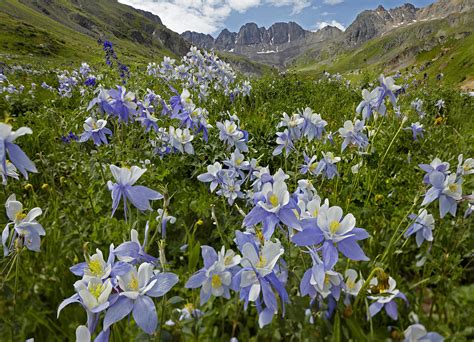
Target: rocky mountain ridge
282, 42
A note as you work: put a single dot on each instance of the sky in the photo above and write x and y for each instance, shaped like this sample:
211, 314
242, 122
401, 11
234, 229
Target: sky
211, 16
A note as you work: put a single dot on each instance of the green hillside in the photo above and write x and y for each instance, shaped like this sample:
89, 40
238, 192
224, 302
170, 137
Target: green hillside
54, 32
435, 46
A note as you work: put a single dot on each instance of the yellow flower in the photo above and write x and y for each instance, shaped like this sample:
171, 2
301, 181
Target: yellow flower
28, 187
45, 186
438, 121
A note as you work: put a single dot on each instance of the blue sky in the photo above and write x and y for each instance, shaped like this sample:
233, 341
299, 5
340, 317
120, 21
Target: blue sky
211, 16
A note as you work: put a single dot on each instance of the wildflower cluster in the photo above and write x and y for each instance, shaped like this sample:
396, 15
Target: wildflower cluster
124, 284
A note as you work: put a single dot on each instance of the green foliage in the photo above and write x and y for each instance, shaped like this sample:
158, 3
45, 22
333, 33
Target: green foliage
71, 189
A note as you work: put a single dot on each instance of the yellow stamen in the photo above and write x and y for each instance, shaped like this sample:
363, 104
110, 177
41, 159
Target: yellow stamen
20, 216
262, 262
260, 236
96, 290
334, 227
216, 282
95, 267
274, 200
133, 283
453, 187
350, 284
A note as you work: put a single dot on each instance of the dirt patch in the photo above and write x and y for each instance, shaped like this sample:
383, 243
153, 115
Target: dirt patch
468, 84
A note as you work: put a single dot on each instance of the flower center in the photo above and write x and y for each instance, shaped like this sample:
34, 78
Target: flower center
133, 284
315, 213
350, 284
96, 290
334, 227
453, 187
274, 200
231, 129
20, 216
262, 262
95, 267
326, 279
216, 281
313, 166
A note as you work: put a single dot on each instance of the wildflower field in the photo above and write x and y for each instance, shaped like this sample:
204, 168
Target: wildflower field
181, 201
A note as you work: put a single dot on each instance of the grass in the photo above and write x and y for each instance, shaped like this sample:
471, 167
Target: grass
71, 189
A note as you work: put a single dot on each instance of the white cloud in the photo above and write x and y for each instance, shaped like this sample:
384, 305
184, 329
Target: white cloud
243, 5
321, 24
333, 2
298, 5
206, 16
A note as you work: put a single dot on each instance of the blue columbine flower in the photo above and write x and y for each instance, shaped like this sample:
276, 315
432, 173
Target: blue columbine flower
422, 226
180, 140
95, 130
384, 293
470, 205
314, 125
274, 205
102, 102
232, 135
122, 103
327, 166
448, 189
465, 167
435, 165
352, 134
389, 88
335, 232
309, 166
440, 104
140, 196
284, 142
417, 105
293, 124
258, 281
137, 287
371, 101
418, 333
133, 252
15, 153
320, 280
215, 278
25, 226
237, 163
416, 129
212, 175
230, 186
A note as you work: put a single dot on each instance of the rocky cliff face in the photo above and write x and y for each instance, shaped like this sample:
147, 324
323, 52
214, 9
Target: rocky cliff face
205, 41
225, 41
443, 8
373, 23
